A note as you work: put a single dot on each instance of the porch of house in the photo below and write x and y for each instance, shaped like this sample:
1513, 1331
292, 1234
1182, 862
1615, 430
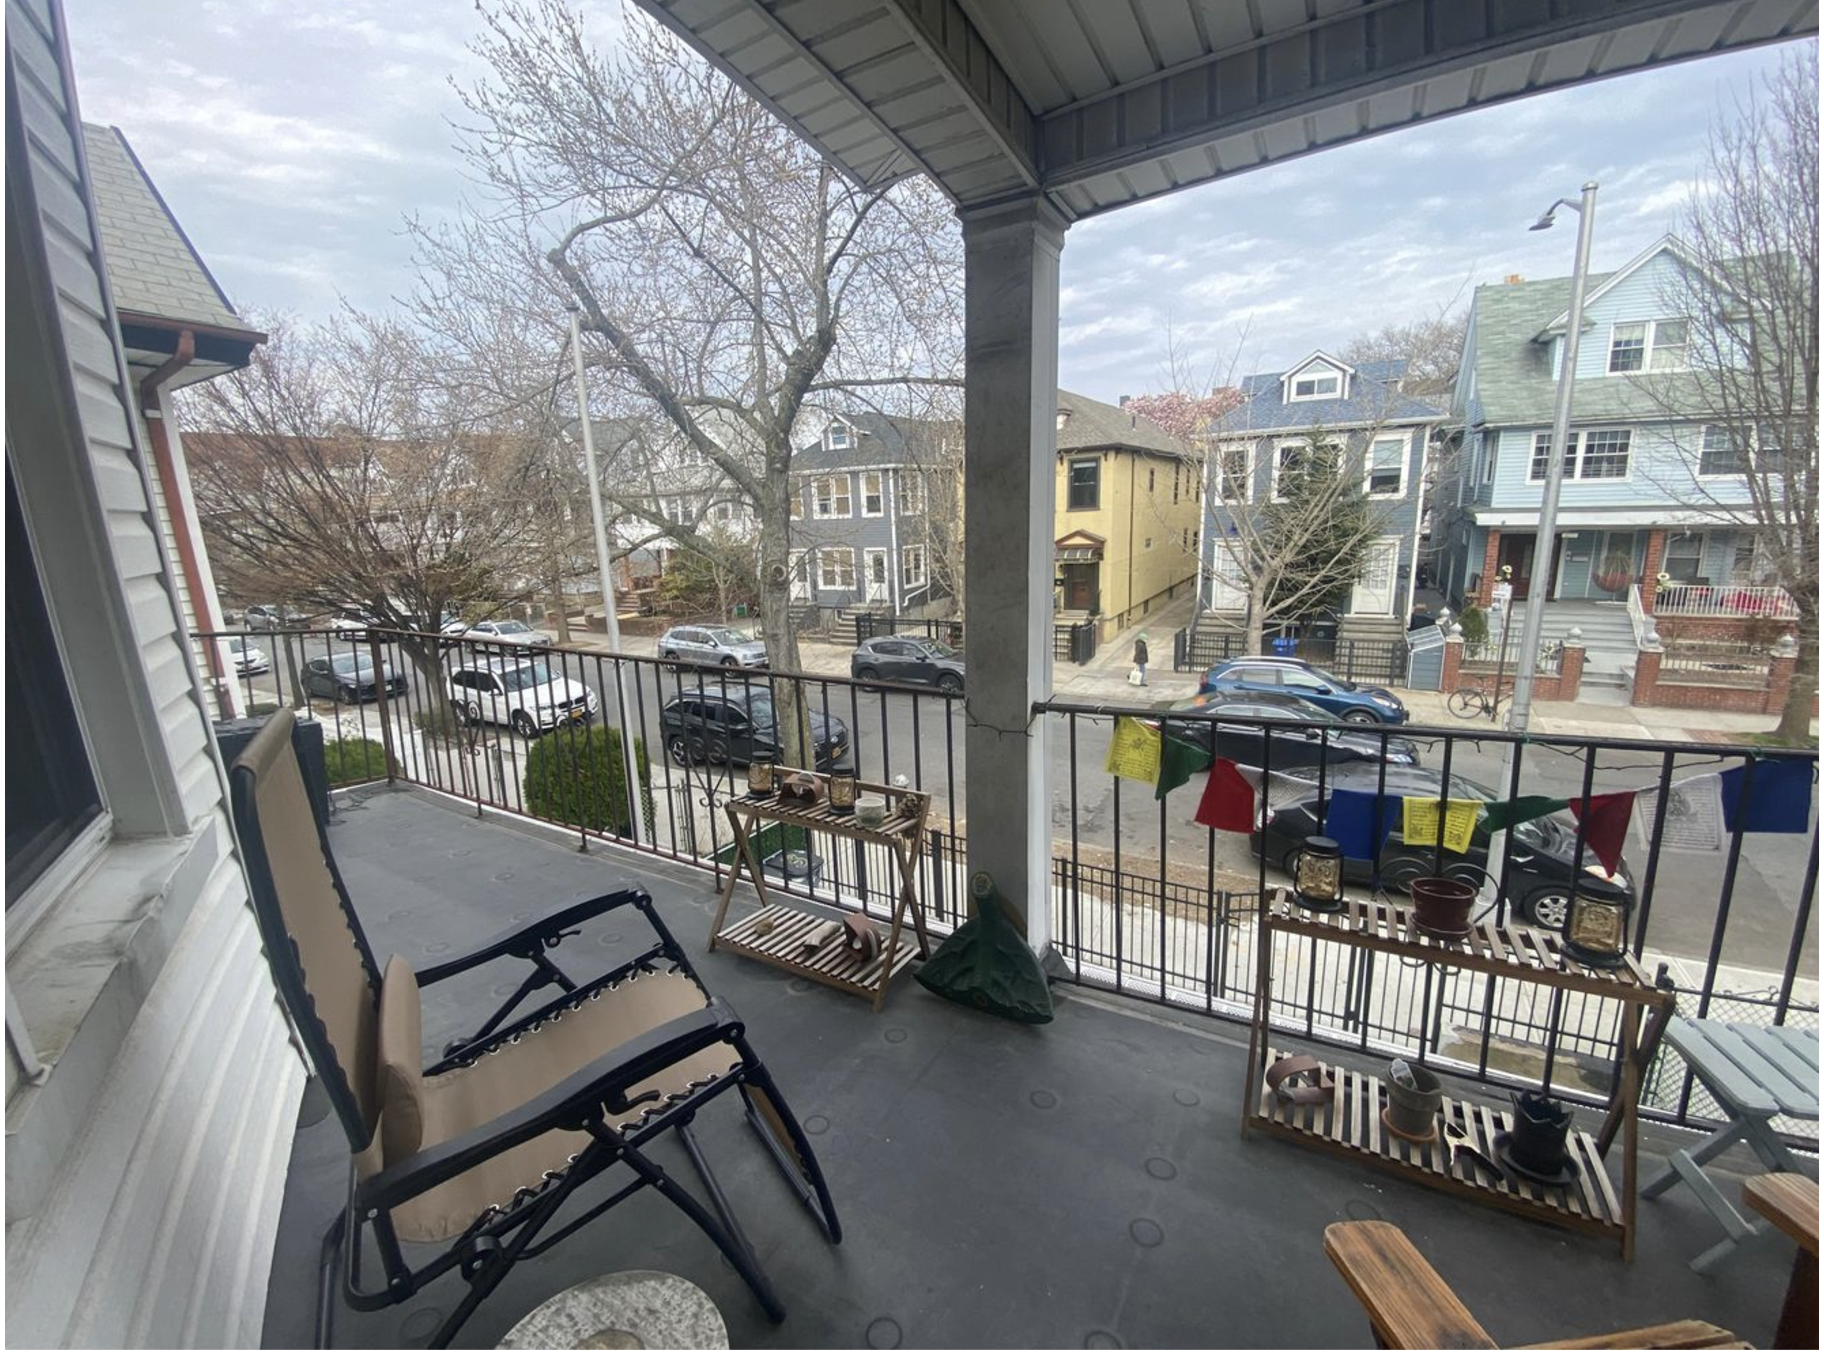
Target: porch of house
1080, 1184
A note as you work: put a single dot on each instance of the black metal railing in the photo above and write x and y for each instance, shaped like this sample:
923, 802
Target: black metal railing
948, 631
1150, 903
1360, 661
1074, 642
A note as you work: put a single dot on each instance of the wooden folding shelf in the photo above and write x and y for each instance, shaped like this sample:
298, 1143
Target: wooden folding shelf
1350, 1125
902, 831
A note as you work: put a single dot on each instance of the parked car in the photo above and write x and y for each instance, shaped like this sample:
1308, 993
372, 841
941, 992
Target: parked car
712, 645
1540, 875
1245, 742
265, 617
507, 631
248, 659
351, 621
909, 660
521, 691
1289, 677
739, 728
348, 677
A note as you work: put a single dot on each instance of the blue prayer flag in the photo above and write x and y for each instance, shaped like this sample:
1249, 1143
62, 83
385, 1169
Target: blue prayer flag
1359, 822
1779, 798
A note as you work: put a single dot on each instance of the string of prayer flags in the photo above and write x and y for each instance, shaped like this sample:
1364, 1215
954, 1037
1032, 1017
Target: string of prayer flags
1178, 761
1778, 796
1694, 813
1133, 751
1419, 825
1359, 822
1228, 799
1604, 820
1526, 808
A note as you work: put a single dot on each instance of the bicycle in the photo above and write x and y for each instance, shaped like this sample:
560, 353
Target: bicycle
1472, 701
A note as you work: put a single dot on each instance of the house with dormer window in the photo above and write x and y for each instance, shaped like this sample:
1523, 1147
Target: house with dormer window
1323, 404
1650, 485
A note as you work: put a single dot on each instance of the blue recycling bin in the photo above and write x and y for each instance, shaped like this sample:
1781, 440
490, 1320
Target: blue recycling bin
1284, 646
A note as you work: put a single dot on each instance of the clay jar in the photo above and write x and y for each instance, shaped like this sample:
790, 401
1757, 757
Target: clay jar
1441, 906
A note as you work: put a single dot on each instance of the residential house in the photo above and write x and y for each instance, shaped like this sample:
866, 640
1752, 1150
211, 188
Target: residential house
875, 506
1649, 485
1385, 436
1127, 524
152, 1088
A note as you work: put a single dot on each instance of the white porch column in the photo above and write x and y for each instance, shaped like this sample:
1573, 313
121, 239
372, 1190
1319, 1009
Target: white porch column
1010, 255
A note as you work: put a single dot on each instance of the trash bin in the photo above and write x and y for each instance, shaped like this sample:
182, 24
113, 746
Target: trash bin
1284, 646
233, 734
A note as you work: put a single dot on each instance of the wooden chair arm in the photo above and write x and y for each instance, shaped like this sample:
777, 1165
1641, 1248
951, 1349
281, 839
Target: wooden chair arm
1688, 1335
1408, 1304
1789, 1201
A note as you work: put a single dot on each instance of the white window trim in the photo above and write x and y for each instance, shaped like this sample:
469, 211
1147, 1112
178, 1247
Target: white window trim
838, 436
880, 479
1748, 455
1405, 444
842, 489
1649, 343
1577, 449
911, 492
1703, 549
835, 558
1315, 374
1278, 445
1246, 450
907, 555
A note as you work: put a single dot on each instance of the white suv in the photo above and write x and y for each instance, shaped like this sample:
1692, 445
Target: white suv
521, 691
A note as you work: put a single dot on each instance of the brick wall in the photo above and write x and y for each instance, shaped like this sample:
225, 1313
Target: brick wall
1652, 692
1562, 687
1649, 573
1692, 628
1491, 563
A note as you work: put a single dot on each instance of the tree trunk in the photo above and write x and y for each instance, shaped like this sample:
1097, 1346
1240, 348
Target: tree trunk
556, 581
1257, 615
776, 613
1801, 699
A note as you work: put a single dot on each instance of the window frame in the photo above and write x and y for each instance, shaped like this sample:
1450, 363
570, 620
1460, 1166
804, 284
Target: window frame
911, 492
1742, 456
1314, 376
842, 497
834, 556
1296, 442
1071, 486
1246, 474
1650, 347
838, 436
878, 495
1403, 443
1577, 453
906, 578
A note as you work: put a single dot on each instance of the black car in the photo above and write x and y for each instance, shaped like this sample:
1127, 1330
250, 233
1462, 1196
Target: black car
348, 677
1540, 876
910, 661
740, 728
1245, 742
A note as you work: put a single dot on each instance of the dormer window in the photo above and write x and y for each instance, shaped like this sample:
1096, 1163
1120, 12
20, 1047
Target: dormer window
839, 436
1316, 383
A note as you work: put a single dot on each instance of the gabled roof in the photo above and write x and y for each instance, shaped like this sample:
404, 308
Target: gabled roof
1372, 400
1090, 424
880, 441
1669, 244
1319, 356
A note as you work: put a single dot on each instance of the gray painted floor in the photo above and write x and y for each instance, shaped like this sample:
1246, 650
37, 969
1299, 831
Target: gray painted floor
1081, 1184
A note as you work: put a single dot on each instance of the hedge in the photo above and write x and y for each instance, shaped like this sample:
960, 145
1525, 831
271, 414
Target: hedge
576, 776
352, 760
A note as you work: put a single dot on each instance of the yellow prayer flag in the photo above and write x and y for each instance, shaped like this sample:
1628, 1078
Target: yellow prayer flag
1421, 822
1133, 751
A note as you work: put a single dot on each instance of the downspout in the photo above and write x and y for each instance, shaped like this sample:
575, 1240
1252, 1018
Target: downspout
151, 408
889, 489
1418, 522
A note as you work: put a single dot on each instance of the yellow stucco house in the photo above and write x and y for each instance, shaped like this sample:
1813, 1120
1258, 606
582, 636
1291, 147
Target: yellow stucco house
1128, 518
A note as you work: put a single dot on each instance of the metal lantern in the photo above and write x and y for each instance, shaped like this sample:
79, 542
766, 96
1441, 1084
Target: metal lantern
1317, 876
842, 792
760, 778
1596, 930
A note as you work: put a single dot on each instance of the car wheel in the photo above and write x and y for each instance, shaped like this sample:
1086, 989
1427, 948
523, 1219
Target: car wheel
726, 661
523, 724
1361, 717
717, 751
950, 684
1548, 908
671, 656
346, 694
472, 711
678, 749
866, 674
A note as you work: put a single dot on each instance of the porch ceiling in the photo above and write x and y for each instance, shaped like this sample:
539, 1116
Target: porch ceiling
1110, 103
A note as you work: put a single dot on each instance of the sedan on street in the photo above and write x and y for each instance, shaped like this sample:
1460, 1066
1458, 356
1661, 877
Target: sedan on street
248, 659
348, 678
740, 728
1287, 677
909, 660
1239, 737
1539, 881
508, 631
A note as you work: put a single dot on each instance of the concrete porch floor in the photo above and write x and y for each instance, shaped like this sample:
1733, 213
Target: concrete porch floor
1080, 1184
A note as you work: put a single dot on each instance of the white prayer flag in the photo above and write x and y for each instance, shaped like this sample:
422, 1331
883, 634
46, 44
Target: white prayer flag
1694, 813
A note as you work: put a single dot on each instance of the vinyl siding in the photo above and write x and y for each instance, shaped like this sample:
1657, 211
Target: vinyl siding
1659, 472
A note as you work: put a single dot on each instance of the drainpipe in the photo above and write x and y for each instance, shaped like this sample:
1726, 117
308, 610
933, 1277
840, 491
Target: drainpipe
1418, 521
889, 493
151, 406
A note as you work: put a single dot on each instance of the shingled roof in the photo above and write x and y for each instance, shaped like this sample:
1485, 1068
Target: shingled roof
153, 268
1085, 423
1374, 400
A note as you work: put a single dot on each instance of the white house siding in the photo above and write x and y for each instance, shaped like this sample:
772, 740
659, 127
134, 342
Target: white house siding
156, 1147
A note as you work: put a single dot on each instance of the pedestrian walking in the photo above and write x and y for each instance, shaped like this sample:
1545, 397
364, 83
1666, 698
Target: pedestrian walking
1140, 657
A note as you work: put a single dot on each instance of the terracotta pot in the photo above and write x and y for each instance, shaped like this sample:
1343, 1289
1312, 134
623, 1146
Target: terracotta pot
1442, 905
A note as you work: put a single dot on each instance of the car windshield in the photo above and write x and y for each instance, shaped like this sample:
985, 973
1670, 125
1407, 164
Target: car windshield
936, 649
350, 665
729, 637
760, 712
1324, 677
511, 626
524, 677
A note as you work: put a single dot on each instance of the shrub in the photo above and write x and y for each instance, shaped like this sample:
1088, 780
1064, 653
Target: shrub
350, 760
1475, 628
576, 776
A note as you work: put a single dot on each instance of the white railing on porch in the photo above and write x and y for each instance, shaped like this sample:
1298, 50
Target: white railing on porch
1638, 616
1726, 602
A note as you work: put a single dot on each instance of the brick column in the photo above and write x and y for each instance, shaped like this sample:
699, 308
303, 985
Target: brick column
1649, 572
1779, 681
1570, 672
1646, 676
1491, 557
1450, 677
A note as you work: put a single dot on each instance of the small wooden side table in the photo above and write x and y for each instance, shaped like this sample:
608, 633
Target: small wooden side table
778, 934
1789, 1201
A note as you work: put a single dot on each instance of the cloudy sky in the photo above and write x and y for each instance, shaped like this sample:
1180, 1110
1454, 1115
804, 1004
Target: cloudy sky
292, 140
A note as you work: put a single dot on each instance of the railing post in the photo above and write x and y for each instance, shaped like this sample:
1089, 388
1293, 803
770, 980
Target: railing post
386, 722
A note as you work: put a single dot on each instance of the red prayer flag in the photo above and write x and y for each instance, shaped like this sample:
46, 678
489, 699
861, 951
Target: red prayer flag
1605, 824
1228, 800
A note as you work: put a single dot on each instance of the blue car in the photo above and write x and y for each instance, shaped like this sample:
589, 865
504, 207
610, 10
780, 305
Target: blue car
1288, 676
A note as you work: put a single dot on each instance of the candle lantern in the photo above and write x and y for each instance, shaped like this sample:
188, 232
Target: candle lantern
760, 778
1317, 875
1596, 929
842, 792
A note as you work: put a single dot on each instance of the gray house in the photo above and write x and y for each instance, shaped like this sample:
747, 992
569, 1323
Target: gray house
1385, 434
875, 521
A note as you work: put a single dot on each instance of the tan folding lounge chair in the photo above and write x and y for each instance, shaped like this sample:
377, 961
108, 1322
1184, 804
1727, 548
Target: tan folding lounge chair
483, 1148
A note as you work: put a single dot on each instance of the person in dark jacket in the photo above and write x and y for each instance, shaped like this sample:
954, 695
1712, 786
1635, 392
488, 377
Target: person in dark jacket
1140, 656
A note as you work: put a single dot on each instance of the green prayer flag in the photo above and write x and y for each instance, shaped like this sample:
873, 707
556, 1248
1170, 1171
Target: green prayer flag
1530, 807
1178, 761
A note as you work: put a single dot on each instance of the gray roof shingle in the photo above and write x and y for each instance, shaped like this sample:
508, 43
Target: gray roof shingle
1091, 424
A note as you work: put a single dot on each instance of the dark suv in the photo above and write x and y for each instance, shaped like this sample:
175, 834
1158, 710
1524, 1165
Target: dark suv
740, 728
909, 660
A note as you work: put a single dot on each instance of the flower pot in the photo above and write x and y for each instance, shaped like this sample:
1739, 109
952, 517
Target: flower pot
1414, 1097
1541, 1129
1441, 906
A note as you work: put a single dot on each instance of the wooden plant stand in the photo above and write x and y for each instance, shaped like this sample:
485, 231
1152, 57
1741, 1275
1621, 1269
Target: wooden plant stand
903, 832
1349, 1124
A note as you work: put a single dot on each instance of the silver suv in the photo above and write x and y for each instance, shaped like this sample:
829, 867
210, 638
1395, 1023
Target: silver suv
522, 691
712, 644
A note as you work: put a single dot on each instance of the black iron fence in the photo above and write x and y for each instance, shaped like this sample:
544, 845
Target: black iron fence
948, 631
1074, 642
1360, 661
1151, 903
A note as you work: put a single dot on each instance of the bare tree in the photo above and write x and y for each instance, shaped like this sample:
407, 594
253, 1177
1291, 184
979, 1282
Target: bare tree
1748, 397
1430, 347
726, 275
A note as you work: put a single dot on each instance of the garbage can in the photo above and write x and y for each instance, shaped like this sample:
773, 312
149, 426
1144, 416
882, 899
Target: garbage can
1284, 646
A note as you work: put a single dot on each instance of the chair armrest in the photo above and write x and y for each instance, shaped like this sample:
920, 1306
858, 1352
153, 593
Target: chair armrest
524, 941
1408, 1304
568, 1104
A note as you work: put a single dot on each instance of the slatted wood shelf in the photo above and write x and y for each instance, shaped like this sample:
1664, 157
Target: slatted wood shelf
833, 962
1350, 1125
